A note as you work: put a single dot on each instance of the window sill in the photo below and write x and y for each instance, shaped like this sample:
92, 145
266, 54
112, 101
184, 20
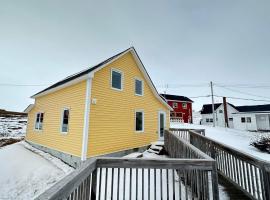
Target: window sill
116, 89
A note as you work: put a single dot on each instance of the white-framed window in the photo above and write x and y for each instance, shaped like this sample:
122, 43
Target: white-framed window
175, 105
184, 105
220, 111
65, 120
138, 87
139, 121
248, 119
207, 119
211, 120
243, 119
231, 119
116, 79
39, 121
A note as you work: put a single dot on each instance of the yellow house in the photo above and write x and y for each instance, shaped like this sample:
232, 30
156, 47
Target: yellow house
111, 107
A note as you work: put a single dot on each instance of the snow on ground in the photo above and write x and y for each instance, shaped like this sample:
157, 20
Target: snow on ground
13, 126
235, 138
26, 172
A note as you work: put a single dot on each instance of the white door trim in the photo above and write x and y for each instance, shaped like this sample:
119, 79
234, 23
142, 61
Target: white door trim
164, 113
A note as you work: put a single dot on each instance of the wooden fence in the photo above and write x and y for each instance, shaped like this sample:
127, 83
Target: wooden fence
249, 174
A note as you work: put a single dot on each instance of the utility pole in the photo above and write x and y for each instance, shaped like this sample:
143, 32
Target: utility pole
213, 104
225, 112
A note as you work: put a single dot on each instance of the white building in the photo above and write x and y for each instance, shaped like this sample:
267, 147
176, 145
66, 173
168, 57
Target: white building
252, 118
207, 114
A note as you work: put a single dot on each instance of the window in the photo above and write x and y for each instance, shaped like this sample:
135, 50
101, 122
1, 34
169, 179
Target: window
138, 87
207, 120
220, 111
248, 119
139, 121
175, 105
39, 121
116, 79
65, 121
184, 105
211, 119
243, 119
231, 119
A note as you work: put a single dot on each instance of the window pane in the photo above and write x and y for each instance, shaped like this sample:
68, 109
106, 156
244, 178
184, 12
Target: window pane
138, 87
116, 80
139, 121
243, 120
65, 121
248, 119
37, 119
41, 117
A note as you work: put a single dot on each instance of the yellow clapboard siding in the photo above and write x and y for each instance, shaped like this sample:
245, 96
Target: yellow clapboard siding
112, 119
72, 97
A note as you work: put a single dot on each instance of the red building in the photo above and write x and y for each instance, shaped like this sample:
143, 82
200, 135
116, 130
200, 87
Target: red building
182, 107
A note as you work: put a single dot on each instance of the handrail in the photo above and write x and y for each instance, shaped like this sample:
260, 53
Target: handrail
246, 172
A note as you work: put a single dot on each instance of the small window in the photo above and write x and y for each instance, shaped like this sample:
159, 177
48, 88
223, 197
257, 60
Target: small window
211, 119
220, 111
116, 79
175, 105
207, 120
138, 87
139, 121
39, 121
243, 119
248, 119
184, 105
65, 121
231, 119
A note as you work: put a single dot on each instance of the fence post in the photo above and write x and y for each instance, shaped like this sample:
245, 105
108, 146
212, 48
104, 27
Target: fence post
94, 185
266, 179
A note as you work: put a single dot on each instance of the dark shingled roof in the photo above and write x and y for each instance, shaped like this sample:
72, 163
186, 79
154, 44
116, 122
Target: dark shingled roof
176, 97
207, 108
84, 72
254, 108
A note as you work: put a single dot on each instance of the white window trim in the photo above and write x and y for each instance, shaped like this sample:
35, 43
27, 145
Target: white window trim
38, 130
142, 111
138, 79
61, 122
183, 105
176, 105
122, 79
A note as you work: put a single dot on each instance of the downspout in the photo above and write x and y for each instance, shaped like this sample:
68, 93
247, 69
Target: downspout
86, 116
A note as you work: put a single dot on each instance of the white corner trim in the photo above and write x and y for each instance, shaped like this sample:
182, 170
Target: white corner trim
86, 116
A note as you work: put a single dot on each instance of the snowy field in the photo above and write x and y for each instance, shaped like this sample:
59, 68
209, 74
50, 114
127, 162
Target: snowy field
13, 126
26, 172
231, 137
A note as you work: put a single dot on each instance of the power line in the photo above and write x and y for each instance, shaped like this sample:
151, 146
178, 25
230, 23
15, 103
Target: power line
247, 86
239, 98
245, 93
182, 85
23, 85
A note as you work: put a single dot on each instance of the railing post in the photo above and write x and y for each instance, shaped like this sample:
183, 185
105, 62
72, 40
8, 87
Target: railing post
266, 179
215, 181
212, 150
94, 185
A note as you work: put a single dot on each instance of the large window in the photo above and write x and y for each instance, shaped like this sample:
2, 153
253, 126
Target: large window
39, 121
138, 87
116, 79
65, 120
139, 121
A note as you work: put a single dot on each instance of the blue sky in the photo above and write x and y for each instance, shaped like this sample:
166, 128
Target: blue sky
181, 43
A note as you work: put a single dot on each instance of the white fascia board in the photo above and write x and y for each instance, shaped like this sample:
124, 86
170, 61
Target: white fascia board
67, 84
179, 101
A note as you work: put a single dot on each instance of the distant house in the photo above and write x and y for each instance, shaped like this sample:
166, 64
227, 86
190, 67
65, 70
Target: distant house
182, 108
109, 108
252, 118
207, 114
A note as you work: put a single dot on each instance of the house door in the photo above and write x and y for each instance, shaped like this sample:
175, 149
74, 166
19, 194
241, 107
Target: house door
161, 124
